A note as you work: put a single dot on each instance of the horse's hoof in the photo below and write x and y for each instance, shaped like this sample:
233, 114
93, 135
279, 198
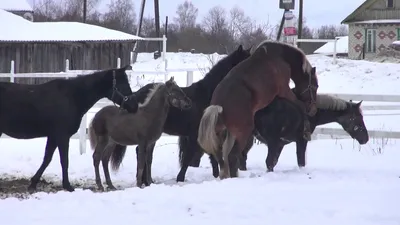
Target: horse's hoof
32, 189
68, 187
111, 188
243, 168
269, 170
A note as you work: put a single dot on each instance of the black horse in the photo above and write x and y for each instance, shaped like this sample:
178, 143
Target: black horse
281, 123
185, 123
55, 110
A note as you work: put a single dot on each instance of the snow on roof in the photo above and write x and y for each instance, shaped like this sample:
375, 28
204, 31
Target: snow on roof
19, 29
377, 21
15, 5
342, 46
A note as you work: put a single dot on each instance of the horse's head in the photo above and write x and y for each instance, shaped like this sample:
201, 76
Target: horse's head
176, 97
121, 89
352, 122
237, 56
307, 91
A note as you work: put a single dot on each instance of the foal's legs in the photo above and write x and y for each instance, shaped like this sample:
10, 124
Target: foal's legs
104, 161
141, 163
149, 160
51, 146
97, 156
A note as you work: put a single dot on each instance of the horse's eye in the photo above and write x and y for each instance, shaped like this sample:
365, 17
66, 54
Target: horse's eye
355, 128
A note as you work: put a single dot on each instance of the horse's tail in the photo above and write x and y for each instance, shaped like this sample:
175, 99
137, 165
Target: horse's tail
93, 139
207, 137
117, 156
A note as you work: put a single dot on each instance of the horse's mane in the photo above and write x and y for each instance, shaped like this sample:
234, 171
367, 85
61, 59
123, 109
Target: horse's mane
307, 67
330, 102
150, 94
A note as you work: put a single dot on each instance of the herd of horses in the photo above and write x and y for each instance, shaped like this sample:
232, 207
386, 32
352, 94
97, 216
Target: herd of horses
245, 95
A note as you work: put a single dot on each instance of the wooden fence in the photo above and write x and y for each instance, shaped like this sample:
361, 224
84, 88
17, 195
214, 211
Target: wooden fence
320, 132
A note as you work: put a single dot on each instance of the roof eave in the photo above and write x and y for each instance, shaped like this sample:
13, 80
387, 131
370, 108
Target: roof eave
363, 6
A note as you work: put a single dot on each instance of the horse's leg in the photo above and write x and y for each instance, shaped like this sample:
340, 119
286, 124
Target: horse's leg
188, 152
149, 160
243, 155
141, 163
288, 94
51, 146
301, 148
104, 161
274, 151
227, 146
97, 155
63, 149
214, 165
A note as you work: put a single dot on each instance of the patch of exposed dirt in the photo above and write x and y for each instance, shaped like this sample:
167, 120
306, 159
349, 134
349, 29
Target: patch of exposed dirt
17, 187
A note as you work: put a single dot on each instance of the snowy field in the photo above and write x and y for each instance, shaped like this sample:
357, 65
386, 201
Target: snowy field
343, 183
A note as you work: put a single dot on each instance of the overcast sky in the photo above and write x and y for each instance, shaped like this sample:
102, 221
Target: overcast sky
317, 12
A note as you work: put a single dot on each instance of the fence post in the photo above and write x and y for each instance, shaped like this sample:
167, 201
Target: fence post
118, 62
189, 78
12, 72
82, 135
164, 42
165, 70
334, 50
66, 65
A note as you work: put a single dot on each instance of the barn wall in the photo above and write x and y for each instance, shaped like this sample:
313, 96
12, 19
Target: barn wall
50, 57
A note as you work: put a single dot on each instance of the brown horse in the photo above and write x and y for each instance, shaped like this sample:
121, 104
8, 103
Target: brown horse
249, 87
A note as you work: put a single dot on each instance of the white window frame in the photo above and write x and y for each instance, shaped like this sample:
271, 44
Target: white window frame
370, 40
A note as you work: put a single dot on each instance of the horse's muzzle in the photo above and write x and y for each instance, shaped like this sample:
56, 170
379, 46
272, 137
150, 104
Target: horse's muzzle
312, 110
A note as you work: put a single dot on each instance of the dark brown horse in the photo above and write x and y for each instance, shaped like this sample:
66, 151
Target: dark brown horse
251, 85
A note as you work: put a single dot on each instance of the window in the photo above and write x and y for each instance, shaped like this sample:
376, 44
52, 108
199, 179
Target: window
370, 42
390, 3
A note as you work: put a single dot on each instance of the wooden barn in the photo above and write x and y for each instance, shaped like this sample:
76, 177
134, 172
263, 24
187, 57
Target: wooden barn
45, 46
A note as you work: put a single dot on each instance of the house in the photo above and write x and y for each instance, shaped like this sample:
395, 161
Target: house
373, 26
44, 46
18, 7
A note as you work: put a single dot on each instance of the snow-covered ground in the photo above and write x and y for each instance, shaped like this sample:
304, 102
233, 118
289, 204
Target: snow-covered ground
343, 183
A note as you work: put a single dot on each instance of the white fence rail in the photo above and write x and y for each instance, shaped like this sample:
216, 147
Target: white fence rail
330, 132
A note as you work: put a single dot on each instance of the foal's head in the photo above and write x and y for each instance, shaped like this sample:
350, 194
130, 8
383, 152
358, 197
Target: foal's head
176, 96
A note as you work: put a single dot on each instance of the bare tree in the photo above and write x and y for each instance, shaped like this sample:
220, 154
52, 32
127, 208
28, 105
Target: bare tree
240, 24
121, 16
186, 15
331, 31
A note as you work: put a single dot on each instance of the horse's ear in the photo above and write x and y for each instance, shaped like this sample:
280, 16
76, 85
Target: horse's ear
313, 70
172, 78
240, 48
359, 104
249, 49
126, 67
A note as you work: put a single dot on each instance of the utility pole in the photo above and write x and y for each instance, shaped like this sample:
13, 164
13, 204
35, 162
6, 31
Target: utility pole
300, 28
157, 22
138, 30
84, 10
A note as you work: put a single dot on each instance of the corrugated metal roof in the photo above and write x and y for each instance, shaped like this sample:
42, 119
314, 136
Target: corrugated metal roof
17, 29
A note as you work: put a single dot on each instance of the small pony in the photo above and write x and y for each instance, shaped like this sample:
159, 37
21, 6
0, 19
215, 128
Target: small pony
112, 130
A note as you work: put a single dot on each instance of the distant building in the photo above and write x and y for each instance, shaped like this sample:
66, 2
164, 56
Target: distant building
373, 26
18, 7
